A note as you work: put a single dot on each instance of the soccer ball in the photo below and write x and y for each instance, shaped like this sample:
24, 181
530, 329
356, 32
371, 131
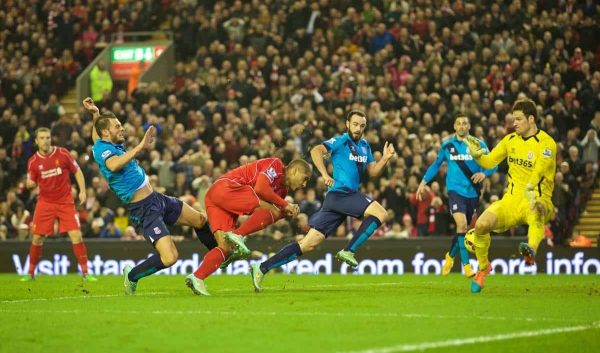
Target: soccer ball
470, 241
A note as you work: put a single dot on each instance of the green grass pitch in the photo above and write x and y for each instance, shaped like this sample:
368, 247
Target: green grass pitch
302, 313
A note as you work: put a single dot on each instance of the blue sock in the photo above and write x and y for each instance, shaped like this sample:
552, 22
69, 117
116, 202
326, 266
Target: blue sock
464, 253
366, 229
152, 265
454, 246
287, 254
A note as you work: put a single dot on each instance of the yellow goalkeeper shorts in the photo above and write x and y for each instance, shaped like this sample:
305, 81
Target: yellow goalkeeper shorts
514, 210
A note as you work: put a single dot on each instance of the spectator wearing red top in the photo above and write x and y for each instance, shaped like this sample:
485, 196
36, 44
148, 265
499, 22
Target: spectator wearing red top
422, 210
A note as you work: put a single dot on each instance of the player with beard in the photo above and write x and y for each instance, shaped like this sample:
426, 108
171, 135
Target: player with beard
353, 163
463, 182
50, 169
150, 212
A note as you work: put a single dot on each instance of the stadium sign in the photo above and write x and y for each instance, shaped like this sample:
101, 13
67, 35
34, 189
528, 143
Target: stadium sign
125, 57
380, 257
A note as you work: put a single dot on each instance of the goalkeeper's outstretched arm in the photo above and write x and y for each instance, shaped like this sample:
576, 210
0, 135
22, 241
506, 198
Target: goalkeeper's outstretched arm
490, 160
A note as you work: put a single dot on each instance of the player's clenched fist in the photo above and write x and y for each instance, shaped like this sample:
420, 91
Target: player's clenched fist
292, 210
89, 105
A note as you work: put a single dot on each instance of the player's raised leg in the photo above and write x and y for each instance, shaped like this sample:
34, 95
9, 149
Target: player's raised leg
286, 255
167, 255
263, 216
536, 219
193, 218
323, 223
225, 201
374, 216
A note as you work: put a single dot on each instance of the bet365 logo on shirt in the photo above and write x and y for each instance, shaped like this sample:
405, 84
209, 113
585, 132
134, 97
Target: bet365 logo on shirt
359, 159
461, 157
519, 161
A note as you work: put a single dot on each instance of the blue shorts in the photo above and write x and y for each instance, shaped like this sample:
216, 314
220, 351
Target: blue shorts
466, 205
152, 215
337, 206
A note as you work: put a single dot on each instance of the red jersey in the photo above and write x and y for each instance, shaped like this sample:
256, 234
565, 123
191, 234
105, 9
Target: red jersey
50, 172
274, 172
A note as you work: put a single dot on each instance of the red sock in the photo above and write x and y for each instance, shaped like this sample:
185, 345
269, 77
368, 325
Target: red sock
35, 254
258, 220
212, 260
81, 254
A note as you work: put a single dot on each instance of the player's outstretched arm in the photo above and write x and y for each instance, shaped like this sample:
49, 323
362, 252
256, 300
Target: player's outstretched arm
317, 154
375, 169
490, 160
91, 107
115, 163
431, 171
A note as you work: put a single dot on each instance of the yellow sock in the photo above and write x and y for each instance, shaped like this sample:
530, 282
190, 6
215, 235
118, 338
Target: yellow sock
482, 248
536, 230
535, 235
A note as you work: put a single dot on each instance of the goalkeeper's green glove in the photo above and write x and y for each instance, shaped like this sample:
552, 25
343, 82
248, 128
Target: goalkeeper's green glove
530, 194
474, 146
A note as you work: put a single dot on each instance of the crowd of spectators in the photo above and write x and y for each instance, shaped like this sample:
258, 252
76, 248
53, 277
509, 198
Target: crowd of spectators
261, 78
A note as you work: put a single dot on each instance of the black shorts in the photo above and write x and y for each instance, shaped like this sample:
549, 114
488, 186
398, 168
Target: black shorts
466, 205
152, 215
336, 207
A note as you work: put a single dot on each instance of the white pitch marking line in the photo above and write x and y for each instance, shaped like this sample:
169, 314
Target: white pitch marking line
76, 297
294, 313
341, 286
479, 339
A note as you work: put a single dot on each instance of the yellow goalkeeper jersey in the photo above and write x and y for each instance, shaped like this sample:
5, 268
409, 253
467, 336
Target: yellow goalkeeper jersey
530, 160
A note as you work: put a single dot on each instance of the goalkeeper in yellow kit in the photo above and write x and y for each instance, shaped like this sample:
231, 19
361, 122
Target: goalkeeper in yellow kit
531, 158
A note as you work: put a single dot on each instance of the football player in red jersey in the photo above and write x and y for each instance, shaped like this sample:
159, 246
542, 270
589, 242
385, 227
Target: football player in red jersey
49, 169
257, 189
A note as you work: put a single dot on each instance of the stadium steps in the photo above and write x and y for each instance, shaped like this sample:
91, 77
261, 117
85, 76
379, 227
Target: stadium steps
588, 224
69, 101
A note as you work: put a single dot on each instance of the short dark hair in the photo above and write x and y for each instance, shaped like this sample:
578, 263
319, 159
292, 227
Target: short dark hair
459, 114
300, 164
355, 112
40, 129
103, 122
527, 106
